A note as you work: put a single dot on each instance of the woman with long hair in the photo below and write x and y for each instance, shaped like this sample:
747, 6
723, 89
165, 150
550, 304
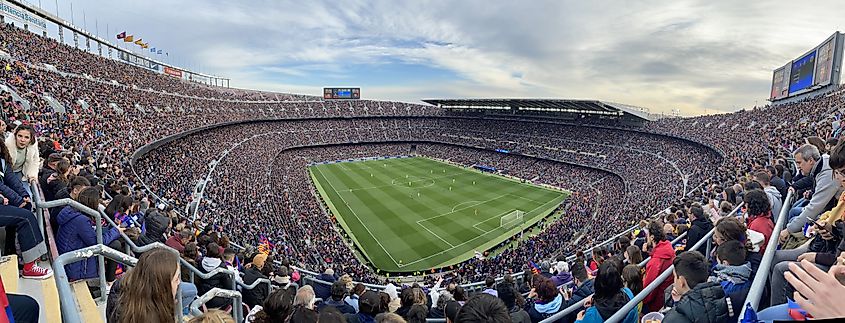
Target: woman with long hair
147, 293
77, 231
610, 296
59, 180
276, 308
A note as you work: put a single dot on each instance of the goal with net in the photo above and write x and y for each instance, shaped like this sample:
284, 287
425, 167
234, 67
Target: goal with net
511, 219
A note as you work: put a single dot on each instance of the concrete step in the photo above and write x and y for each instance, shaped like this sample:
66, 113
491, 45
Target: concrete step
42, 290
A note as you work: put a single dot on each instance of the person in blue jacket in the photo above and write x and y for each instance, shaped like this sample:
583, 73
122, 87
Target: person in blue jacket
10, 186
610, 296
77, 230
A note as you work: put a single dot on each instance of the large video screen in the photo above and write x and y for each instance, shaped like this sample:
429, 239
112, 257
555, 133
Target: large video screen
780, 83
824, 64
802, 73
335, 93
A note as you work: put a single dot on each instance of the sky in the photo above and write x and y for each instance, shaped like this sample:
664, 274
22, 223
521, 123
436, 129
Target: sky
694, 57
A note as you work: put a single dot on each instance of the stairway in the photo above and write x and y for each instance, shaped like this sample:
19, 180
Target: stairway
43, 290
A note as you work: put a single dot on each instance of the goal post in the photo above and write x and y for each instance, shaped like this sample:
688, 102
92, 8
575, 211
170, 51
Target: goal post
511, 219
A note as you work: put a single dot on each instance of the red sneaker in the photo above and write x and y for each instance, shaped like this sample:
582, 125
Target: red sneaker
36, 272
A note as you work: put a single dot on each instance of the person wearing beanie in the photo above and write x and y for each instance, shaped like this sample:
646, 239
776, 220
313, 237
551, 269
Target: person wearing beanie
252, 273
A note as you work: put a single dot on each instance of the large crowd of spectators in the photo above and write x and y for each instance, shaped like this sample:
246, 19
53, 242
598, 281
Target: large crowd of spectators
90, 114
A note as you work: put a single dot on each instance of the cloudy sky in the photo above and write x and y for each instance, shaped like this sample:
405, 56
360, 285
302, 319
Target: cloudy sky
695, 56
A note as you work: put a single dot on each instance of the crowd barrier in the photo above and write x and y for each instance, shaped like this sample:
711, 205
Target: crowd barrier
760, 282
98, 215
621, 313
574, 307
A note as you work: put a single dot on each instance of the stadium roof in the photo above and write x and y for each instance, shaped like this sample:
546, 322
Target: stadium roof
552, 105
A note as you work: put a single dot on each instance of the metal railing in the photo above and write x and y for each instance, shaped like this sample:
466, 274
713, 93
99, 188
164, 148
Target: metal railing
577, 305
237, 304
69, 304
99, 216
760, 280
634, 302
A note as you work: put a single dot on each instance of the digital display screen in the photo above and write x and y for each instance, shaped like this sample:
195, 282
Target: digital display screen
779, 83
802, 73
825, 63
341, 93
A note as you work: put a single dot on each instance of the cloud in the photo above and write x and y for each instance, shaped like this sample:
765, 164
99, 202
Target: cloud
690, 55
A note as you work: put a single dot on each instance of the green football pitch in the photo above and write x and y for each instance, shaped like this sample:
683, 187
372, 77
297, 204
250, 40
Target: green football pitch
414, 214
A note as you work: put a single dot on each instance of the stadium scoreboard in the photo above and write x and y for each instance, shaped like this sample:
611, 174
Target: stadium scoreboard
813, 70
341, 93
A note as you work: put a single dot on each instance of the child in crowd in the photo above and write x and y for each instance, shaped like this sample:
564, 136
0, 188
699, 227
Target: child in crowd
732, 272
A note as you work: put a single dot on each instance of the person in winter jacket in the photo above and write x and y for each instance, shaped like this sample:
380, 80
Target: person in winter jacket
76, 185
561, 274
662, 256
733, 273
545, 300
513, 302
23, 150
700, 226
10, 186
696, 299
324, 291
338, 293
610, 296
583, 288
825, 188
157, 228
77, 231
775, 199
369, 306
209, 263
252, 272
759, 215
824, 247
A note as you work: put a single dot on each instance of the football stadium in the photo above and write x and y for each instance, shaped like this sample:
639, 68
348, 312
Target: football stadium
421, 162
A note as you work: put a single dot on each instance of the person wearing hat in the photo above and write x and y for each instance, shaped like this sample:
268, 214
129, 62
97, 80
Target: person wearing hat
369, 305
252, 273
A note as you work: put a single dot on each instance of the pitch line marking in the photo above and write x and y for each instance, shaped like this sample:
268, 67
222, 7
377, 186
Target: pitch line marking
358, 218
465, 242
456, 205
435, 234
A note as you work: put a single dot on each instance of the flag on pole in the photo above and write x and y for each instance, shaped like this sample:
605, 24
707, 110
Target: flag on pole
139, 42
128, 39
121, 35
152, 50
159, 52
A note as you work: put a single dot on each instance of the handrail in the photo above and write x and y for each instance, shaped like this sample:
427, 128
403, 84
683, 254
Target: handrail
45, 226
68, 305
256, 283
659, 280
99, 215
579, 304
634, 302
237, 305
622, 312
759, 282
